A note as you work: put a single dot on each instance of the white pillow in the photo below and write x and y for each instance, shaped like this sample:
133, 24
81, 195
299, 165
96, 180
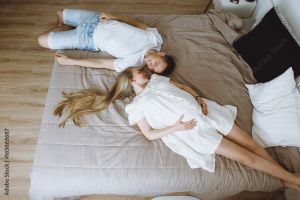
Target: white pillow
287, 11
298, 82
276, 113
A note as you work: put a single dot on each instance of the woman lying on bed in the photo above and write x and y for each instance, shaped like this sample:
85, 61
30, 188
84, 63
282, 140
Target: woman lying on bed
170, 111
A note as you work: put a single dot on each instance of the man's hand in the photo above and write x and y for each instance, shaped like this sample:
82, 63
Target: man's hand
182, 126
63, 59
203, 105
106, 16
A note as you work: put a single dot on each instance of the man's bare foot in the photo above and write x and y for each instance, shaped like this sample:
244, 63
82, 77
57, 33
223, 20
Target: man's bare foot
59, 24
63, 59
62, 26
66, 27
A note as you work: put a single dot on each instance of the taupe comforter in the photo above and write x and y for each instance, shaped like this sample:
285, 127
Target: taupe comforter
107, 156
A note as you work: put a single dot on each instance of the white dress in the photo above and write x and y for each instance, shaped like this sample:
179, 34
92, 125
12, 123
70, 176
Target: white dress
162, 103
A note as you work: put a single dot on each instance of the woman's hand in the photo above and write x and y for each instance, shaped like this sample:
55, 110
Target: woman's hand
106, 16
63, 59
182, 126
203, 105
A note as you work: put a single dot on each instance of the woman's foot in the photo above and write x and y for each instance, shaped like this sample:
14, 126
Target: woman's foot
291, 185
298, 175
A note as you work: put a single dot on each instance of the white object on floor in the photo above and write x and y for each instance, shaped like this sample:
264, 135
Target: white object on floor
243, 9
276, 113
175, 198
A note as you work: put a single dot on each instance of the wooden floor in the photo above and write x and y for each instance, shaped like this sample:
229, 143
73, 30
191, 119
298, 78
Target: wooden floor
25, 70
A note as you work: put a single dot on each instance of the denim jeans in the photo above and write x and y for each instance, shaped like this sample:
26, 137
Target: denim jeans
81, 37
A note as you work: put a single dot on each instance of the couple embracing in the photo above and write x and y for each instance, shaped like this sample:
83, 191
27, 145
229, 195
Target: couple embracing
191, 126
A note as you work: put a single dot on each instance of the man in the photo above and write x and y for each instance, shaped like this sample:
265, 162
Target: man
131, 42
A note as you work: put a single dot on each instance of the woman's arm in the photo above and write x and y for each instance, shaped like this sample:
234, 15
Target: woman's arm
152, 134
193, 93
87, 62
127, 20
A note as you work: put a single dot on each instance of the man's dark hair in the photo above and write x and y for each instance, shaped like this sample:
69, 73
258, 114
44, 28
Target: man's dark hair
170, 65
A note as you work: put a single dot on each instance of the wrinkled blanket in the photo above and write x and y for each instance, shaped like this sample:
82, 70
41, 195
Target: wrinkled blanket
107, 156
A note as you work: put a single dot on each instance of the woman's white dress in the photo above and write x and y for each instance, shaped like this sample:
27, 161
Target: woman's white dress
162, 103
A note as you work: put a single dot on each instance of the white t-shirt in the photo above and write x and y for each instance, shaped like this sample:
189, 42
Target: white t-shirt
125, 42
162, 103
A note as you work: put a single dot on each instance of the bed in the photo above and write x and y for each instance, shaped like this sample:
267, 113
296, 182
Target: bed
109, 157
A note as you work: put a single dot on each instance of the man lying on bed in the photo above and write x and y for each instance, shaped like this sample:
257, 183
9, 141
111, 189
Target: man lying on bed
130, 41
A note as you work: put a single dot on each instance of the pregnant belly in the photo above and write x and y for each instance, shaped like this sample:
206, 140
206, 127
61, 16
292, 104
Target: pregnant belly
166, 114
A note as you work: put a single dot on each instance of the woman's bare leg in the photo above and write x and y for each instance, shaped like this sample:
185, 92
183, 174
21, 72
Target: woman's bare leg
240, 137
235, 152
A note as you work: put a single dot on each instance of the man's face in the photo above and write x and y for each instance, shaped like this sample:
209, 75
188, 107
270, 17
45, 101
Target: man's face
155, 63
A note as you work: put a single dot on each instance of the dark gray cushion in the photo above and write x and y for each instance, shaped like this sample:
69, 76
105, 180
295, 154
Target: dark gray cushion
269, 48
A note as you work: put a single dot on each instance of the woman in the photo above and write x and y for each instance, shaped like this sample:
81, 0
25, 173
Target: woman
170, 111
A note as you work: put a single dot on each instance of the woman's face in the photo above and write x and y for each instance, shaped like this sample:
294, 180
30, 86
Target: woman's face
140, 77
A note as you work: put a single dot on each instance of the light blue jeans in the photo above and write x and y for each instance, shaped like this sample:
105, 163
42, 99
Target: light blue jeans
80, 37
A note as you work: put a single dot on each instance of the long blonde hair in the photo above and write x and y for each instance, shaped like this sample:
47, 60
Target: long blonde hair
92, 100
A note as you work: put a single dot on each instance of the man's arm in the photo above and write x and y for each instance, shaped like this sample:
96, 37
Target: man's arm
87, 62
193, 93
185, 88
127, 20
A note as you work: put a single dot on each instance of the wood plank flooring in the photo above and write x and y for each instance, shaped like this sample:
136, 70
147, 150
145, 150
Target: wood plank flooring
25, 70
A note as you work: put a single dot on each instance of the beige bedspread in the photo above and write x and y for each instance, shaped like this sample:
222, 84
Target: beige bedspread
107, 156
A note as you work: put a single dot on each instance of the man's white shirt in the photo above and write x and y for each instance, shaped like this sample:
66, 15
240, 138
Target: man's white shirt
125, 42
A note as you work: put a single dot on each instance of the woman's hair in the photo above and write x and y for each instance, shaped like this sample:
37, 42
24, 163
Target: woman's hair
92, 100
